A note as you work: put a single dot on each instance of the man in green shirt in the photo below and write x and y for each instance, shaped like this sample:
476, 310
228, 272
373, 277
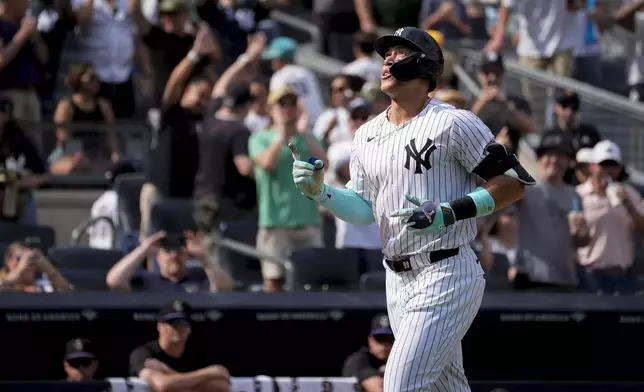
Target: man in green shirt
286, 219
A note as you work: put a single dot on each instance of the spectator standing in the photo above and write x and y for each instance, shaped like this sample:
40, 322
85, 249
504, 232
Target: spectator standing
258, 118
584, 158
22, 53
547, 34
286, 220
224, 184
337, 20
631, 17
22, 264
55, 21
170, 42
102, 234
587, 65
448, 17
281, 53
333, 123
79, 148
566, 110
172, 252
368, 364
387, 13
614, 212
21, 167
230, 35
498, 109
173, 158
81, 360
106, 37
550, 225
171, 363
339, 156
364, 65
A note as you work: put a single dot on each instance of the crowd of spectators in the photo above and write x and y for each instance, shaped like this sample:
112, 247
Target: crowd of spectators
222, 95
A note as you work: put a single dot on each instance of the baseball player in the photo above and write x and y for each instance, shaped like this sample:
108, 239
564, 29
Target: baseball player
414, 172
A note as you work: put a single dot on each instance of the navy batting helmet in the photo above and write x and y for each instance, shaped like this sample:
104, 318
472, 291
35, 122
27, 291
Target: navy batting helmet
426, 62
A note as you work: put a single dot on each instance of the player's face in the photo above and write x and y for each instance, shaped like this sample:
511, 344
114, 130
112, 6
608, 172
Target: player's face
397, 53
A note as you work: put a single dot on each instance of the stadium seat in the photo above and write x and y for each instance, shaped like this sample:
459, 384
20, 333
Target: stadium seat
373, 281
371, 260
85, 280
326, 269
84, 257
245, 270
128, 188
172, 215
44, 237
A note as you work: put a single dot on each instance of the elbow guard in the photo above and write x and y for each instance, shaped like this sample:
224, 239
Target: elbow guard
497, 161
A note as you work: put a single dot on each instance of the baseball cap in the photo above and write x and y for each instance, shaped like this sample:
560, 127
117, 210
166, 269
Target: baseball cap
281, 48
607, 150
569, 99
585, 155
359, 105
171, 6
275, 95
492, 63
80, 348
237, 94
556, 141
380, 325
175, 312
408, 37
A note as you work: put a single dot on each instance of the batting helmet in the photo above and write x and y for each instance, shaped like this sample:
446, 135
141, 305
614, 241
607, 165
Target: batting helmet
426, 62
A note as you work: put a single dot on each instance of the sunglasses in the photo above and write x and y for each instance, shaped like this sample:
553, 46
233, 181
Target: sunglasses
77, 363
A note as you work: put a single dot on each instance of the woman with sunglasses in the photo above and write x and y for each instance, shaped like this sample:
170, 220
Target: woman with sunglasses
89, 145
21, 169
22, 265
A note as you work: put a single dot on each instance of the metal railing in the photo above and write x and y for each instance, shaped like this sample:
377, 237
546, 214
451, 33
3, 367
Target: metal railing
616, 117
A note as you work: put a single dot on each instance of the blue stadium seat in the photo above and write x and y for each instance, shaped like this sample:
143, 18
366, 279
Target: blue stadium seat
128, 188
44, 236
245, 271
326, 269
85, 268
373, 281
172, 215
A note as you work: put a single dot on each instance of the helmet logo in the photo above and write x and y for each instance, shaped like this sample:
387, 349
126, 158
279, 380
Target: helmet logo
399, 32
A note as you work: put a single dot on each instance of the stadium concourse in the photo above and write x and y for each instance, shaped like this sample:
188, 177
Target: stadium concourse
151, 228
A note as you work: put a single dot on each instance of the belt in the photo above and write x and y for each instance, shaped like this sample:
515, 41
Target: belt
404, 264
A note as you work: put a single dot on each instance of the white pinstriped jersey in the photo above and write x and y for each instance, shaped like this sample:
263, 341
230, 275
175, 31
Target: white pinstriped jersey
431, 157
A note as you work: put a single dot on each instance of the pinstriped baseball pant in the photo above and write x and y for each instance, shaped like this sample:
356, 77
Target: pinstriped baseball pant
430, 310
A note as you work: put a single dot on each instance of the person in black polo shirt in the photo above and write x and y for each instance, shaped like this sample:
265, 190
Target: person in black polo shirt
225, 169
174, 149
170, 364
81, 361
368, 363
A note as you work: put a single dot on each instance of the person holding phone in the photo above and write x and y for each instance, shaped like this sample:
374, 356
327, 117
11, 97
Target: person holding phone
172, 252
22, 264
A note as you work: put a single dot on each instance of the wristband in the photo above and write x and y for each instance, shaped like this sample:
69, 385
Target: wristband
193, 56
475, 204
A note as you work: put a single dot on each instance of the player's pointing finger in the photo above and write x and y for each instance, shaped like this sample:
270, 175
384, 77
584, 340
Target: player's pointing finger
414, 200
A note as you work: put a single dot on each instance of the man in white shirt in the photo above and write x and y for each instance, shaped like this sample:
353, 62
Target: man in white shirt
101, 234
548, 34
365, 65
281, 52
631, 17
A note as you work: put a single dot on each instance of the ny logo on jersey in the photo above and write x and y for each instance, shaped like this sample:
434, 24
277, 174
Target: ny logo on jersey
417, 155
399, 32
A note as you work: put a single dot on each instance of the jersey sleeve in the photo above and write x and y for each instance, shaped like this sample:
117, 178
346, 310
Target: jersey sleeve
359, 182
468, 138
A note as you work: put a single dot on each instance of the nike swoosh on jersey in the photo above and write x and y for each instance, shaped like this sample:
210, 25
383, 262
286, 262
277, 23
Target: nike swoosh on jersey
370, 139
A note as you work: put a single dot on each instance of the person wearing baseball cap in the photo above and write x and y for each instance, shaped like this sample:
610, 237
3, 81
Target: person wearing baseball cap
81, 360
566, 109
170, 360
583, 159
286, 73
368, 363
550, 223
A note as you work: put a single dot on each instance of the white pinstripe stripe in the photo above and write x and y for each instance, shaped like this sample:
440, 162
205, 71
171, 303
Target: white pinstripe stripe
432, 306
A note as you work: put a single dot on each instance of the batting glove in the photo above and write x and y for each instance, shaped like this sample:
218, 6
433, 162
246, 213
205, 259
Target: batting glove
308, 175
427, 217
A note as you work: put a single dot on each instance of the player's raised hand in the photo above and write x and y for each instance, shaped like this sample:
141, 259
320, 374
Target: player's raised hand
308, 175
427, 217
